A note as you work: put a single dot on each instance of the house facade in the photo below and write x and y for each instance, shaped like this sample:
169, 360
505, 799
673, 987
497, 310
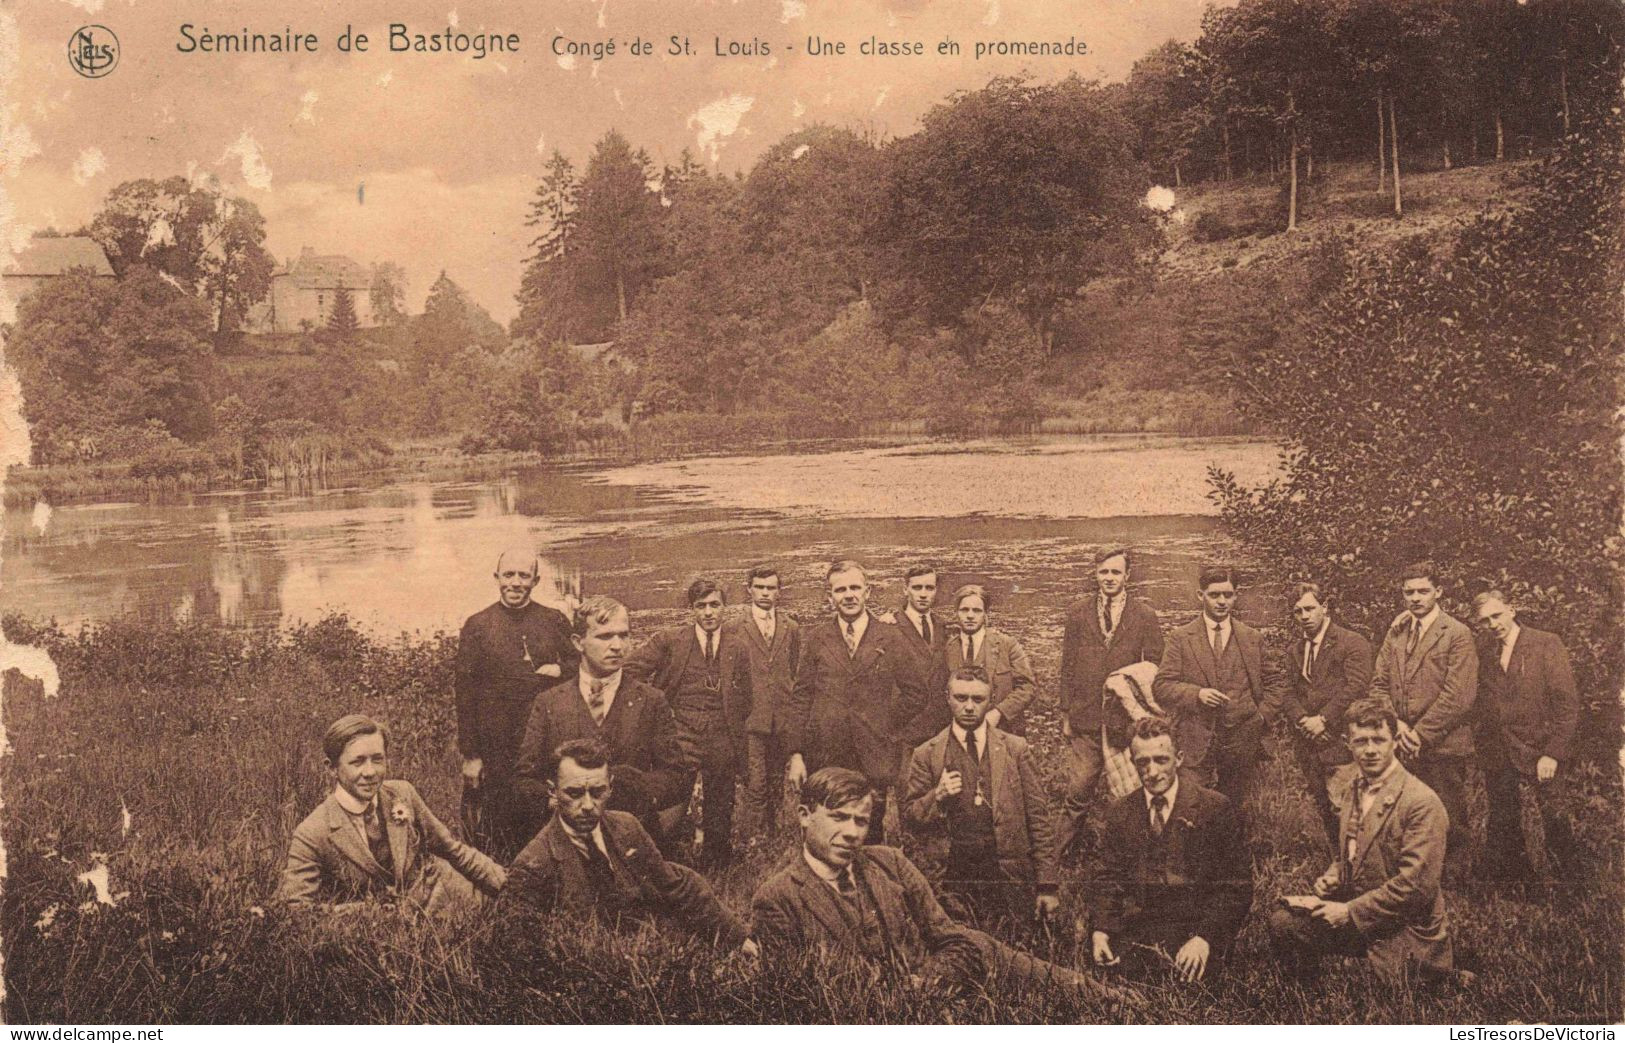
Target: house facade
303, 291
50, 257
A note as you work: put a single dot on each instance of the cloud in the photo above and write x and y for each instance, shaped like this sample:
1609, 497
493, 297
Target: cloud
793, 9
17, 144
718, 121
90, 163
247, 151
307, 106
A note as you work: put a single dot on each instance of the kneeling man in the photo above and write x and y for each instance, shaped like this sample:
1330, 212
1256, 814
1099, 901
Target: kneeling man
976, 789
589, 860
1380, 898
872, 903
1174, 868
375, 838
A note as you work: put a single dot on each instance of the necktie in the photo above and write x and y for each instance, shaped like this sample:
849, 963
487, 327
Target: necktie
1218, 640
851, 638
377, 837
970, 747
925, 628
1416, 635
844, 883
1308, 659
1159, 813
1106, 617
970, 649
765, 624
710, 645
597, 865
595, 701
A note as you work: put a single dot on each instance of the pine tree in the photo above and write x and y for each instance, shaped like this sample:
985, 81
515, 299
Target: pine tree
341, 320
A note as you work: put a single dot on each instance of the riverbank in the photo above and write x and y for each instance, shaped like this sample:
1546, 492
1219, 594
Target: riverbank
177, 758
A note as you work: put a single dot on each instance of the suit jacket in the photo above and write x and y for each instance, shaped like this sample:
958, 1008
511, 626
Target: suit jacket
933, 715
650, 767
1530, 710
329, 861
1023, 824
1432, 689
498, 653
1087, 658
1341, 675
854, 709
662, 660
551, 874
1007, 667
1202, 885
1392, 886
795, 911
1188, 666
772, 669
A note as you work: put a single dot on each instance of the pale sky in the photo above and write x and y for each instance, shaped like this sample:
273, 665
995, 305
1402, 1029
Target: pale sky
430, 160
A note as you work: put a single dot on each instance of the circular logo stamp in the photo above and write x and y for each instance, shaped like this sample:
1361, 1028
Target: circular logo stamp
93, 51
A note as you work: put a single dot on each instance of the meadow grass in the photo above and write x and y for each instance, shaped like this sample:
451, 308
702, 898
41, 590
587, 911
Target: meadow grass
208, 739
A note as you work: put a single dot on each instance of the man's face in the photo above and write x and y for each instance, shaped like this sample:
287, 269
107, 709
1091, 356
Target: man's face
708, 611
1156, 761
834, 835
1218, 599
972, 614
1496, 617
604, 647
579, 795
1420, 596
516, 578
362, 767
1309, 614
1111, 574
764, 592
922, 592
1373, 748
849, 593
968, 702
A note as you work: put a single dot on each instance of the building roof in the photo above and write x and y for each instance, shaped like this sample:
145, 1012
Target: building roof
56, 254
322, 270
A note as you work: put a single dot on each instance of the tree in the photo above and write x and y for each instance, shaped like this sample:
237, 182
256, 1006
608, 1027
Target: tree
1166, 99
1016, 192
616, 227
387, 294
341, 320
549, 308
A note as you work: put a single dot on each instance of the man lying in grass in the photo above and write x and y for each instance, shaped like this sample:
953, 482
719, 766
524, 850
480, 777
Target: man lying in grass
375, 839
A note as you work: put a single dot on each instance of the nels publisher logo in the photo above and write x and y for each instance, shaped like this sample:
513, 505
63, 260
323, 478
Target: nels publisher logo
93, 51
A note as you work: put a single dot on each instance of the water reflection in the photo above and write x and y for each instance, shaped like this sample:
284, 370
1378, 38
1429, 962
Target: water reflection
419, 555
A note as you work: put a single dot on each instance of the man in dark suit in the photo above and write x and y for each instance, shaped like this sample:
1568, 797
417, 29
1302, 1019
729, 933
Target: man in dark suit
506, 655
629, 717
772, 644
925, 633
1216, 683
1331, 668
1381, 897
588, 860
704, 672
871, 902
1105, 632
975, 794
858, 688
1529, 711
1427, 672
1174, 873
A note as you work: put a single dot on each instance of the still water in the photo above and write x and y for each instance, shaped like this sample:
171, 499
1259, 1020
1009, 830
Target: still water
397, 556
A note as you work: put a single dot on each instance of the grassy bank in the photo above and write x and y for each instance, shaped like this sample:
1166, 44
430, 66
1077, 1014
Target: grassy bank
208, 740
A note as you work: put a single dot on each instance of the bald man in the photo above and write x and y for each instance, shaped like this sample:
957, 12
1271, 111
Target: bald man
507, 654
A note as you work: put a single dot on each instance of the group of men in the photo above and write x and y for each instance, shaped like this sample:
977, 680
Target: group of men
581, 756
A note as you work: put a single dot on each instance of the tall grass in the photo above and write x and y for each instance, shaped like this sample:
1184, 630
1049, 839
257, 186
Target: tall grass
209, 739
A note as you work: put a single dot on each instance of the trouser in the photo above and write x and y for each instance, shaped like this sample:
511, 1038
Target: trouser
1004, 968
1232, 764
1317, 776
1504, 844
491, 820
1299, 941
718, 774
1084, 762
766, 760
1447, 777
986, 892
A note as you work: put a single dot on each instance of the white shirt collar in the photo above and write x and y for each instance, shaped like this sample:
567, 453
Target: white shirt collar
860, 626
348, 802
821, 869
981, 736
612, 684
1208, 622
580, 839
917, 618
761, 615
1428, 619
1172, 794
1320, 635
1381, 780
1512, 635
699, 635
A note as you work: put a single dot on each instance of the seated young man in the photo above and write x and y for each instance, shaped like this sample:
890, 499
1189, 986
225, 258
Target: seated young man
1380, 898
871, 902
975, 791
374, 838
589, 860
1174, 871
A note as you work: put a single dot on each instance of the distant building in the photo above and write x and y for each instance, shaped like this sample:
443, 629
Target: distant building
302, 291
50, 257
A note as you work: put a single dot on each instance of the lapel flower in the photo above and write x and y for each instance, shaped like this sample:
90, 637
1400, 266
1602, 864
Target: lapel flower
1183, 821
630, 852
400, 814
